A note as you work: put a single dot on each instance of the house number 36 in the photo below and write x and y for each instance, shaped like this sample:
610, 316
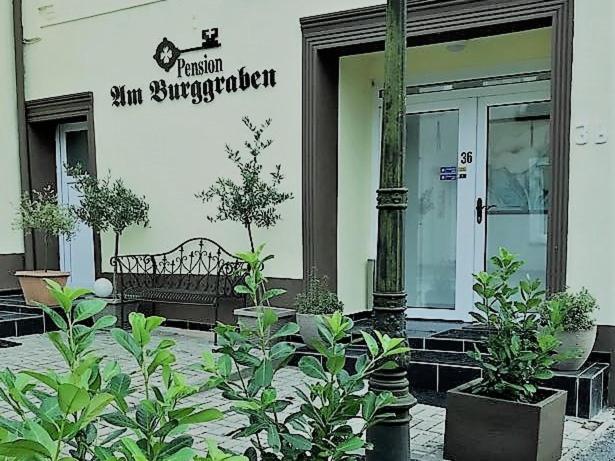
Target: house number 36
466, 157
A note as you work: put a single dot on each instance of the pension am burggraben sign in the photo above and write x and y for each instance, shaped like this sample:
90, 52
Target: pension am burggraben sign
195, 74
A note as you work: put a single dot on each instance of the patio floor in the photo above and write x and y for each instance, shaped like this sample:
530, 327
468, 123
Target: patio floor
35, 352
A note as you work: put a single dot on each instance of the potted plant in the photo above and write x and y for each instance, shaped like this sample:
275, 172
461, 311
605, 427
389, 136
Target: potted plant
579, 328
255, 288
316, 300
41, 213
507, 414
253, 202
108, 205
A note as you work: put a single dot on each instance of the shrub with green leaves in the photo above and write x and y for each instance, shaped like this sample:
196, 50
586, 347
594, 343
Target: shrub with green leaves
159, 424
521, 346
317, 299
58, 412
254, 201
41, 212
58, 415
255, 282
332, 397
579, 308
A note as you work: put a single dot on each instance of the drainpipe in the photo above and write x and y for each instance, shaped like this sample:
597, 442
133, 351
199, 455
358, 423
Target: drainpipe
391, 437
21, 121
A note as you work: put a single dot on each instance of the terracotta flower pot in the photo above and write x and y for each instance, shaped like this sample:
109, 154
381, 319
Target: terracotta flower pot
34, 286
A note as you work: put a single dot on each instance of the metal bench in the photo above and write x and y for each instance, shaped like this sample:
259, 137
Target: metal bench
198, 274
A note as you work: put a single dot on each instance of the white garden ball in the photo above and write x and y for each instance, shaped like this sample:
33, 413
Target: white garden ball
103, 288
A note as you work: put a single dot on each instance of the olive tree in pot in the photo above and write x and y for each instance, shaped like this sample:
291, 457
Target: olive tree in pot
253, 202
40, 212
108, 204
507, 415
579, 328
316, 300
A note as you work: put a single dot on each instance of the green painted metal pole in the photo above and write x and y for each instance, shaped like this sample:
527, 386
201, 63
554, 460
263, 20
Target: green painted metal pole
391, 438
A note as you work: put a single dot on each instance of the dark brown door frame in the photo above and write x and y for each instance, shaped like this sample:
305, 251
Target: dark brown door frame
57, 110
328, 37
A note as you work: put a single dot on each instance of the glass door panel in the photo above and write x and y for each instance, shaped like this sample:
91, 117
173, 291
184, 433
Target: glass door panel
518, 183
438, 262
431, 219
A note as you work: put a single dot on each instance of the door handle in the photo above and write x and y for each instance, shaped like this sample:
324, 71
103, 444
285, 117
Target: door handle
480, 207
479, 210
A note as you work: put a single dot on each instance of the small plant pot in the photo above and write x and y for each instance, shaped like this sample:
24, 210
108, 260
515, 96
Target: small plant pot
581, 342
34, 286
248, 315
308, 328
480, 428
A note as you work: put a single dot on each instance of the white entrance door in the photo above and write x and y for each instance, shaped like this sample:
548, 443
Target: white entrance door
440, 150
478, 175
514, 179
77, 254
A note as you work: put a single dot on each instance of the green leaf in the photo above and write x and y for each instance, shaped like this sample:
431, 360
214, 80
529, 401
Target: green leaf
352, 444
203, 416
153, 322
273, 438
72, 399
263, 374
88, 308
287, 329
24, 449
311, 367
134, 449
298, 442
372, 344
55, 317
106, 321
35, 432
175, 445
97, 405
46, 379
127, 342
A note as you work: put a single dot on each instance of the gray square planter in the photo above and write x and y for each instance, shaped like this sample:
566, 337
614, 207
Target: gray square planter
248, 315
482, 428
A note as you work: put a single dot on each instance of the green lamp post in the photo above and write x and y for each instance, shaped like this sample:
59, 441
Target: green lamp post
391, 438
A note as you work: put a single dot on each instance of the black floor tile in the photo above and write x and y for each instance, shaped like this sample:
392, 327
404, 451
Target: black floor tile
423, 376
451, 345
30, 326
451, 376
7, 329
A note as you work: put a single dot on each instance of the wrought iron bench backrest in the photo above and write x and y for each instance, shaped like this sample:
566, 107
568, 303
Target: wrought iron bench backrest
197, 266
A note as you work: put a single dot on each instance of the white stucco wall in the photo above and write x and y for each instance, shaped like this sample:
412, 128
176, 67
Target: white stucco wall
11, 240
592, 189
169, 151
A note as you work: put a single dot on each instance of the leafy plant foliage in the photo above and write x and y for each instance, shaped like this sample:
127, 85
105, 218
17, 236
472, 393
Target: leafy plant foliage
254, 201
255, 282
579, 308
108, 205
320, 429
317, 299
59, 414
41, 212
521, 344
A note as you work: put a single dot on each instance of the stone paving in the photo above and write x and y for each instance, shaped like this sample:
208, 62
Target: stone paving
427, 425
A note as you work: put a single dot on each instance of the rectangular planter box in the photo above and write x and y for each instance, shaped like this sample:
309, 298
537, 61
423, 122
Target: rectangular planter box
482, 428
248, 315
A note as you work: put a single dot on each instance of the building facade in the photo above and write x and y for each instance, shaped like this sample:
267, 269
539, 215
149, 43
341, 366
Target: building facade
508, 130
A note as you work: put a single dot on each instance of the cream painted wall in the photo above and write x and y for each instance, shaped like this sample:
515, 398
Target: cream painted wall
592, 189
11, 240
172, 150
360, 78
